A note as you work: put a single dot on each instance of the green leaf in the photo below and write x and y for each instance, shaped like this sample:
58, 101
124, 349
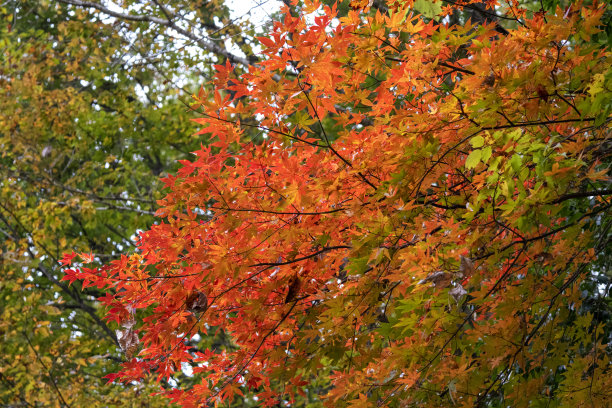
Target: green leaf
428, 8
477, 141
516, 162
486, 154
473, 159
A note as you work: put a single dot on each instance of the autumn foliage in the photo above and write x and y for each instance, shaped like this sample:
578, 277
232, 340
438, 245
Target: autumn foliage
409, 210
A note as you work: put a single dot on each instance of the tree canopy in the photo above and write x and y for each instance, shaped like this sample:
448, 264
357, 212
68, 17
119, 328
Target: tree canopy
90, 118
390, 208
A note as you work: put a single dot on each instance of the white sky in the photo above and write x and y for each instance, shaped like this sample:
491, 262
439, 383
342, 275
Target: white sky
259, 11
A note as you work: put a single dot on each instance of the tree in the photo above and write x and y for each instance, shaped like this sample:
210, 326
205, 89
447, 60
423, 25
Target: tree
424, 221
90, 117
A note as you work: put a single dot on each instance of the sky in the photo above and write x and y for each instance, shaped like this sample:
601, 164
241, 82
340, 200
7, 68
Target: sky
259, 11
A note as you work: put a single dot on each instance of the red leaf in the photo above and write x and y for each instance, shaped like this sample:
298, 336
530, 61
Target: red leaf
268, 42
67, 258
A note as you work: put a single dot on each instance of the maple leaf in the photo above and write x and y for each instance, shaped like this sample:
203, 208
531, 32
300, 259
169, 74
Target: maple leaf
87, 257
71, 275
67, 258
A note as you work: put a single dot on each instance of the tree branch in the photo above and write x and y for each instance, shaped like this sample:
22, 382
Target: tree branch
206, 45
